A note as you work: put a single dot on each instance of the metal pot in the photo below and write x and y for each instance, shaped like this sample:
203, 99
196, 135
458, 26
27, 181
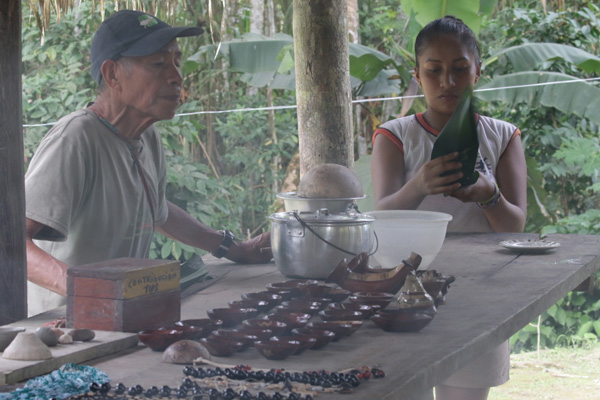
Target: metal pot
311, 245
292, 202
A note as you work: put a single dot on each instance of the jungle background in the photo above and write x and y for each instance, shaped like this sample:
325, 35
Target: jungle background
232, 146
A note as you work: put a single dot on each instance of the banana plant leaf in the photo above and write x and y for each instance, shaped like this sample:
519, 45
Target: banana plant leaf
571, 97
467, 10
530, 56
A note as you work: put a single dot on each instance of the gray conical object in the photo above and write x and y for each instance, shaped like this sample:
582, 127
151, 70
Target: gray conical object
27, 347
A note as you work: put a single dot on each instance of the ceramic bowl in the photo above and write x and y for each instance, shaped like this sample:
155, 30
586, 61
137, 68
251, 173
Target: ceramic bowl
366, 309
231, 316
208, 325
306, 342
260, 333
277, 327
260, 305
238, 335
312, 290
272, 298
7, 335
337, 295
291, 319
322, 301
321, 336
219, 346
341, 315
190, 332
277, 349
160, 339
284, 294
299, 306
401, 320
381, 299
340, 328
292, 286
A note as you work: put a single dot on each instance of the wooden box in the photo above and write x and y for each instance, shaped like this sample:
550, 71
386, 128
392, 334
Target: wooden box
123, 295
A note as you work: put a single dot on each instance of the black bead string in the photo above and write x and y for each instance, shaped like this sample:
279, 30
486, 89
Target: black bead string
342, 382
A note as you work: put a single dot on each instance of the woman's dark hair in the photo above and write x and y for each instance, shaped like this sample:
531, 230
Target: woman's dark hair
449, 25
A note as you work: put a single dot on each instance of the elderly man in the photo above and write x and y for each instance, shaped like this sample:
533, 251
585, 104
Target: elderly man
95, 189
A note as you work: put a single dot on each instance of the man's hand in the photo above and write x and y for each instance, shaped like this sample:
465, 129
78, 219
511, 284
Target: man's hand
252, 251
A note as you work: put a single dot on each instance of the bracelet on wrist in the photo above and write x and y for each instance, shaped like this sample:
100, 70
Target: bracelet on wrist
493, 200
225, 244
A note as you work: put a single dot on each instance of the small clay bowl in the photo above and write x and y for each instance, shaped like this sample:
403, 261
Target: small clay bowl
260, 305
261, 334
298, 307
341, 315
337, 295
246, 338
160, 339
291, 286
190, 332
401, 320
231, 316
8, 334
219, 346
291, 319
277, 349
322, 337
324, 302
381, 299
277, 327
208, 325
306, 342
312, 290
272, 298
364, 308
340, 328
285, 294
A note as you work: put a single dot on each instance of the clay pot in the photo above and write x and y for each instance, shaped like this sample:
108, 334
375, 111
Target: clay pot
185, 352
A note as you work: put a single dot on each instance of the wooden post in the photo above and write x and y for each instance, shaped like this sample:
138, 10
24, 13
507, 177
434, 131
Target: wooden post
13, 262
323, 92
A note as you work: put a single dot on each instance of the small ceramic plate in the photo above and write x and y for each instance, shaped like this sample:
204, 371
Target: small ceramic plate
529, 246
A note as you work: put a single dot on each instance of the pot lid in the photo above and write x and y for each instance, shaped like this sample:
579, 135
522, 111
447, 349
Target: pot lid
323, 217
294, 196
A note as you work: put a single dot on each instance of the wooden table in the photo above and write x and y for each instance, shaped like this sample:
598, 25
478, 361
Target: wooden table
496, 293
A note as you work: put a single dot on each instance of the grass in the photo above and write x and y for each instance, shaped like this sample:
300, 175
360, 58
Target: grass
563, 373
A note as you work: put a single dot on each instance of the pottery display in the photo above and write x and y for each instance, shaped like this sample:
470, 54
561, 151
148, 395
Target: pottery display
208, 325
291, 319
339, 328
413, 296
298, 307
322, 337
7, 335
277, 327
160, 339
341, 315
185, 352
260, 305
277, 349
26, 346
260, 333
306, 342
231, 316
380, 299
272, 298
366, 309
220, 346
401, 320
290, 285
356, 275
245, 338
436, 284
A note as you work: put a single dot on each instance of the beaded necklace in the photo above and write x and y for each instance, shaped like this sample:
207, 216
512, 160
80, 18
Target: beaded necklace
135, 159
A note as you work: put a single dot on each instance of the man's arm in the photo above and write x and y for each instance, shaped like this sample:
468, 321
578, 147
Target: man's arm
43, 269
184, 228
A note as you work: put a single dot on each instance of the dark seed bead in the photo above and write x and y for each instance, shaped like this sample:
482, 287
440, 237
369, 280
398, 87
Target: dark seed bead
293, 396
277, 396
260, 375
187, 371
246, 395
326, 384
182, 394
219, 371
139, 389
308, 397
210, 373
132, 391
105, 388
213, 394
187, 383
262, 396
148, 393
198, 397
120, 388
201, 373
94, 387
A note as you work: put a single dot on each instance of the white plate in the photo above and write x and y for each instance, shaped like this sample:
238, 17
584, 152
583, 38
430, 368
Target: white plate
529, 246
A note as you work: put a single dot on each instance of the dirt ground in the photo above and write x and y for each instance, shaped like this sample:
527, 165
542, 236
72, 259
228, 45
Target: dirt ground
564, 374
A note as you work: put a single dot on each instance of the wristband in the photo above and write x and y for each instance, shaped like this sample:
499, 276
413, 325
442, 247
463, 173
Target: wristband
491, 201
224, 246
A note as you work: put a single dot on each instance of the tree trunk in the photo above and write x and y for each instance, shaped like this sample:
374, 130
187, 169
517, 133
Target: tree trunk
257, 22
323, 92
13, 262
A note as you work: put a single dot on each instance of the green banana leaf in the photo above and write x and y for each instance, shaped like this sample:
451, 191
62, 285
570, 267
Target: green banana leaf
467, 10
571, 97
530, 56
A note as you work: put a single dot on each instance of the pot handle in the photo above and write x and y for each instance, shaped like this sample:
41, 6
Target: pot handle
304, 225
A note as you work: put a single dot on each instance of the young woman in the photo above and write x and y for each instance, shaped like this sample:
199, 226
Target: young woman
405, 177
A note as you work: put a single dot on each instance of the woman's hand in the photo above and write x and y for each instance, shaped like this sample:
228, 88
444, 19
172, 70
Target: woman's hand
429, 180
481, 191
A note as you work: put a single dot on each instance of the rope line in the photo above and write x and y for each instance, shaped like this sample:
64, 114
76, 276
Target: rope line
356, 101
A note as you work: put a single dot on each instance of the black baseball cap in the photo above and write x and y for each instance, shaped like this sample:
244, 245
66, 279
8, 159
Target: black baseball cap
132, 33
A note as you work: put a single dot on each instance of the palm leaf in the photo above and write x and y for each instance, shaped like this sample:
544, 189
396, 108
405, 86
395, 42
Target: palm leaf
569, 95
531, 56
